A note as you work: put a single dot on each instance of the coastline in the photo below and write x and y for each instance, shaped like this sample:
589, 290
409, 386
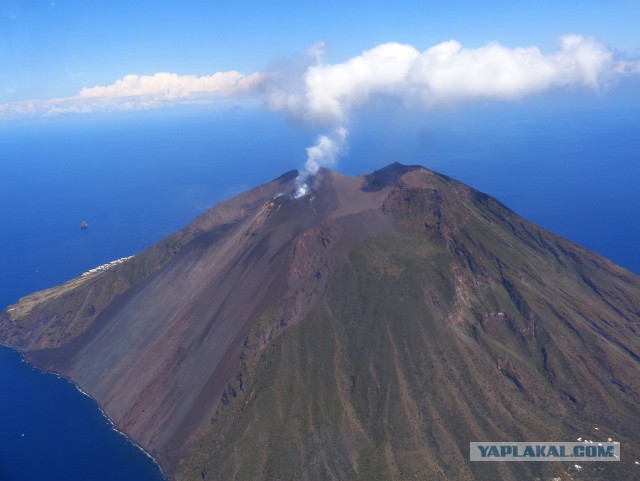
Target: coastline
24, 359
104, 414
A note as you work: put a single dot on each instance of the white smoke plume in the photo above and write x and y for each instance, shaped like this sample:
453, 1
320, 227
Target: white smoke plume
324, 153
445, 74
323, 94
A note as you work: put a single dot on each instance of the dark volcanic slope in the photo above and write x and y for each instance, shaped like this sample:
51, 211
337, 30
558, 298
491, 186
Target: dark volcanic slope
156, 338
368, 331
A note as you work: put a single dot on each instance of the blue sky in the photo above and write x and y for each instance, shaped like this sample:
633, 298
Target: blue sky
55, 48
388, 83
318, 64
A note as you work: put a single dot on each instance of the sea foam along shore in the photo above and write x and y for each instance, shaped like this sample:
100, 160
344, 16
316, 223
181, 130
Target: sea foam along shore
106, 266
113, 426
24, 359
111, 423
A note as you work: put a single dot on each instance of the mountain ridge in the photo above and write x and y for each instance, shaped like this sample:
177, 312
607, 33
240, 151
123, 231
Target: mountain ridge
249, 273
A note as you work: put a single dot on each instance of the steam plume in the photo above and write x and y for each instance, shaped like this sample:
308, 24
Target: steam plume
325, 95
324, 153
444, 74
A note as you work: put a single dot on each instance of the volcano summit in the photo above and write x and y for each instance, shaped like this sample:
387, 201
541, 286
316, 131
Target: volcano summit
369, 330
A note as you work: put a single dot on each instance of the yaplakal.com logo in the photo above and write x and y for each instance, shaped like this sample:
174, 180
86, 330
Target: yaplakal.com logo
544, 451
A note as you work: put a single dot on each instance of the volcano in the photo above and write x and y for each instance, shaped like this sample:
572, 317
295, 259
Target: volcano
369, 330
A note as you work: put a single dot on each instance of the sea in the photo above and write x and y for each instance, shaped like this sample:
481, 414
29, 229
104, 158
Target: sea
568, 161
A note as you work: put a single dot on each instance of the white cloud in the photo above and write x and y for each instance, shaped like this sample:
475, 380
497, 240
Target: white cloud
172, 86
330, 91
628, 67
143, 92
317, 52
450, 73
444, 74
326, 94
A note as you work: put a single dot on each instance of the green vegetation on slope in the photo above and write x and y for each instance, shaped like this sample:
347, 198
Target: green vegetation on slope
382, 381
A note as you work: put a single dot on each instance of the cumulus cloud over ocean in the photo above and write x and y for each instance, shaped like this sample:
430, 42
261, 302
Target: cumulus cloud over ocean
143, 92
444, 74
172, 86
325, 94
447, 73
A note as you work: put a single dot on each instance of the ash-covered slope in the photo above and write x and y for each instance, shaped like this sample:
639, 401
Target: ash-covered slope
155, 338
370, 330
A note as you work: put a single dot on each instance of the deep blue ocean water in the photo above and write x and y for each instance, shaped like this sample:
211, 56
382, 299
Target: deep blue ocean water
571, 166
50, 431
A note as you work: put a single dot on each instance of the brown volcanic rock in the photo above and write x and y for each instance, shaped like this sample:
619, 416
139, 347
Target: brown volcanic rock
167, 325
468, 324
408, 313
